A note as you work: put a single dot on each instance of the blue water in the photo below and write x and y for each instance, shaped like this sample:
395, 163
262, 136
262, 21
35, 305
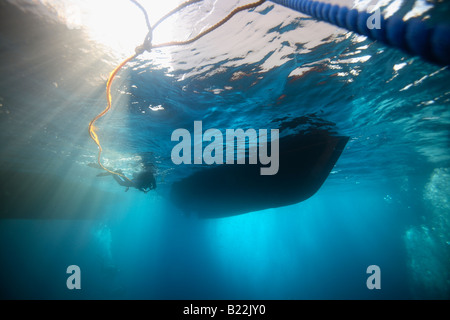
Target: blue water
385, 203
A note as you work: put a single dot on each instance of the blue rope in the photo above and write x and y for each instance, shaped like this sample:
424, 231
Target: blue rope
412, 36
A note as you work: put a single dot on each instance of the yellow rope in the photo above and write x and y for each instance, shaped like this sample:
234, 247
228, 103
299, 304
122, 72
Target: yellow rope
92, 128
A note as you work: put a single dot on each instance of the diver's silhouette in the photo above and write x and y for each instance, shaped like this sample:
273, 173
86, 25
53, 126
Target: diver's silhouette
143, 181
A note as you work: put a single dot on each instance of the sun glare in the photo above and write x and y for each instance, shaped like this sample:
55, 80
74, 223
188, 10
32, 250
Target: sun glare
118, 24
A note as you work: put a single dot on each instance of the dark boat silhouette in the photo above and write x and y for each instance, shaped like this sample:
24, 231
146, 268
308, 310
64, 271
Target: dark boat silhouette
305, 161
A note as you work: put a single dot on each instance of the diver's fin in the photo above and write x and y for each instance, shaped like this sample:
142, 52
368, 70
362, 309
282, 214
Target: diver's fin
104, 174
128, 188
94, 165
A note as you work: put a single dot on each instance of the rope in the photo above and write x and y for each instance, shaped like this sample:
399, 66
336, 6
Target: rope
412, 36
212, 28
147, 46
147, 21
180, 7
92, 128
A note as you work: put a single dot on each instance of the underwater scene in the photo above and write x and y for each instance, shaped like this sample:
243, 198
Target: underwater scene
220, 149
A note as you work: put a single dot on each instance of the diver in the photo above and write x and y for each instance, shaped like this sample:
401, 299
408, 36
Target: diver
143, 181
